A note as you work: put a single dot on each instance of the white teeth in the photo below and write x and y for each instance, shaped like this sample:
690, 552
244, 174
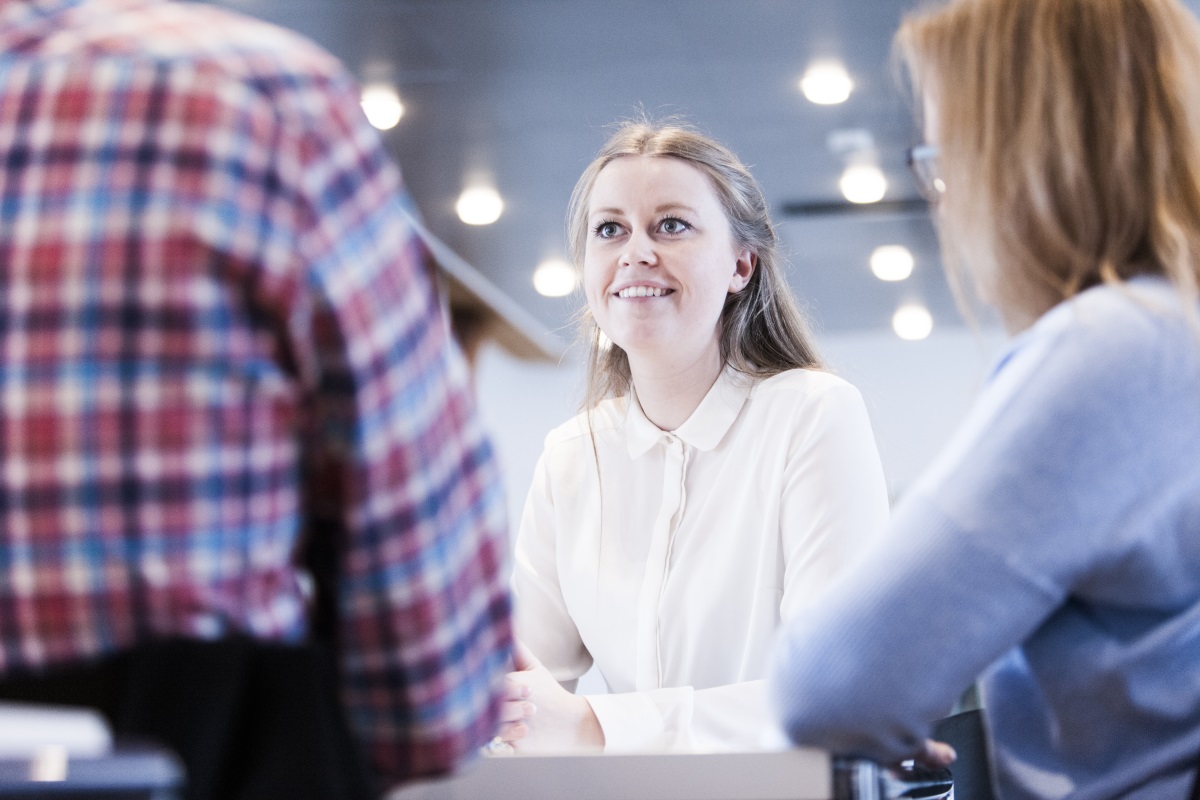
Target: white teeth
642, 291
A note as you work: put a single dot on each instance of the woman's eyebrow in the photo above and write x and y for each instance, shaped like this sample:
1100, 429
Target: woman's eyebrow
675, 207
608, 212
662, 209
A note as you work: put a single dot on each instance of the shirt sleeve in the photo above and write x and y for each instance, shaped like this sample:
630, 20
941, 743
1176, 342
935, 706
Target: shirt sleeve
834, 503
543, 622
1026, 502
835, 498
729, 718
402, 482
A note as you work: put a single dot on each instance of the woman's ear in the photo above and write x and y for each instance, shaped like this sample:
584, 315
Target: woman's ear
743, 270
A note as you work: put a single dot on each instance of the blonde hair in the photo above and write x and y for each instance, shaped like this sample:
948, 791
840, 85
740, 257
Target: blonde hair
1069, 135
762, 331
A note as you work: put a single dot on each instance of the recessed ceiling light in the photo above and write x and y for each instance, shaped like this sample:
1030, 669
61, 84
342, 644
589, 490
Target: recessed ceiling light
555, 278
863, 183
826, 83
479, 205
912, 322
382, 105
892, 262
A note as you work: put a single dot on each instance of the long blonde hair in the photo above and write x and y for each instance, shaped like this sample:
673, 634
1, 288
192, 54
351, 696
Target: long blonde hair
1069, 133
762, 331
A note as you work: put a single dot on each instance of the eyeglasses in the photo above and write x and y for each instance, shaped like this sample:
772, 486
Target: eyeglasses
925, 162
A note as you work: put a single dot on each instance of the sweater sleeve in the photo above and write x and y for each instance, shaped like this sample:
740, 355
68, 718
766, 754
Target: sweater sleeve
891, 647
1025, 504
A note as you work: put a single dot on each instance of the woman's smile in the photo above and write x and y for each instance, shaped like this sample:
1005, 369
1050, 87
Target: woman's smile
643, 291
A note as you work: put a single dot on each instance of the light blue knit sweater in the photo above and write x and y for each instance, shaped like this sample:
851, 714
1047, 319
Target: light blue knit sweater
1054, 549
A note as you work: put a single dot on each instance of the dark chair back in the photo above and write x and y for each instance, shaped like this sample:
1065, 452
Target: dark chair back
965, 732
249, 720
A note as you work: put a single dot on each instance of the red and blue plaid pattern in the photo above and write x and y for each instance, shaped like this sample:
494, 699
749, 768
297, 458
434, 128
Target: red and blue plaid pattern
219, 341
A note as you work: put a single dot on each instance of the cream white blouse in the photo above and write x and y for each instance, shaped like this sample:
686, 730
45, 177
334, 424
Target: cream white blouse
669, 558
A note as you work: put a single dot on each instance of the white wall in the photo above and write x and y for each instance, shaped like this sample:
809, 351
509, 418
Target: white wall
916, 392
521, 401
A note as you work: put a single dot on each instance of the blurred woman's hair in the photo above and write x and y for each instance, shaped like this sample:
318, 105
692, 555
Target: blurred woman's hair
762, 332
1069, 137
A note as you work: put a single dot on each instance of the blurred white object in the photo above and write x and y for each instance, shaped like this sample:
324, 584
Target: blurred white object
826, 83
479, 205
36, 731
863, 183
381, 103
912, 322
49, 764
555, 278
892, 262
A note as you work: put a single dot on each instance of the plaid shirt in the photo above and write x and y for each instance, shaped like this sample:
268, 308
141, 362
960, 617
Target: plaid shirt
219, 341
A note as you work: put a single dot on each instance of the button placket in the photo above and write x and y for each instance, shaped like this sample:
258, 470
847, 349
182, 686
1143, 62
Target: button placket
649, 662
673, 528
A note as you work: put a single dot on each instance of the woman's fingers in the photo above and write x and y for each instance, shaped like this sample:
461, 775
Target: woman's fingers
523, 657
937, 754
512, 732
515, 711
515, 688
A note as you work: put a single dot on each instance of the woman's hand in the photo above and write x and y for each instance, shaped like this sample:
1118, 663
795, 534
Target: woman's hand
540, 716
936, 754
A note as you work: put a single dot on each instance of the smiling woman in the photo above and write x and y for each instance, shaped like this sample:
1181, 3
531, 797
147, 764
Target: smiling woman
715, 482
659, 263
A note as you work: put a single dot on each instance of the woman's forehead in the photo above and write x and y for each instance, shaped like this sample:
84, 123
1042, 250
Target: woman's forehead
649, 181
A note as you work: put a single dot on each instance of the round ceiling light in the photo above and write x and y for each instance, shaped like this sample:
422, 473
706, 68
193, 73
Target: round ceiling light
479, 205
382, 105
826, 83
555, 278
912, 322
892, 262
863, 183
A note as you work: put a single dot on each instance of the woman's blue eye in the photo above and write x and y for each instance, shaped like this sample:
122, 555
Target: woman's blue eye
607, 230
673, 225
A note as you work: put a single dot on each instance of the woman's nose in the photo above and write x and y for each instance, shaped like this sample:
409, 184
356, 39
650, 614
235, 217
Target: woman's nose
639, 249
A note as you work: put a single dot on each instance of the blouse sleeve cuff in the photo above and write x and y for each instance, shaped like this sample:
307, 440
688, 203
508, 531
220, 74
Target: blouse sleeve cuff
642, 721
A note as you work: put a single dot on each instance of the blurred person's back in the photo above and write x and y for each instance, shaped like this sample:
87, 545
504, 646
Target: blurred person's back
221, 353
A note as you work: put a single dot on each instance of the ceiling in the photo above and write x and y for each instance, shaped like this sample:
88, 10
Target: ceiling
522, 93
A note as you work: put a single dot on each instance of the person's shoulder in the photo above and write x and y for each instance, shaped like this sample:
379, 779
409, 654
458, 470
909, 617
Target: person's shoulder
199, 36
601, 421
1127, 340
798, 385
1121, 324
798, 405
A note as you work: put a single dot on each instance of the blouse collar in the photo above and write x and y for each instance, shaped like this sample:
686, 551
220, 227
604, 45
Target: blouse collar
707, 425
